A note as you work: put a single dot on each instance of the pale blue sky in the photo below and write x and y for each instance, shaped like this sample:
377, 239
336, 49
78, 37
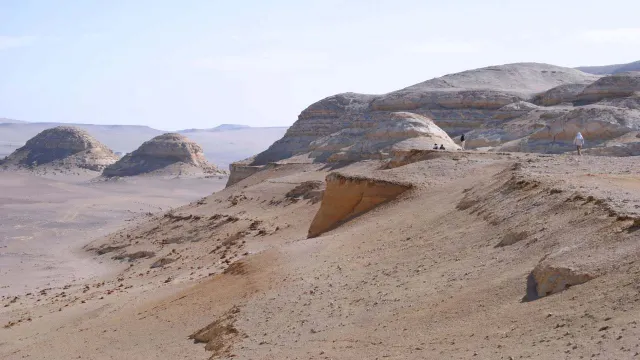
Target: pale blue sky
199, 63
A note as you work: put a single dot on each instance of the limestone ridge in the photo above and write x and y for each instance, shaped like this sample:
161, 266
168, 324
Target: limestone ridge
457, 103
167, 154
65, 147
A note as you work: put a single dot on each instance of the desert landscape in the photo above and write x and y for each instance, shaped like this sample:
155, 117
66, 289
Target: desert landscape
350, 237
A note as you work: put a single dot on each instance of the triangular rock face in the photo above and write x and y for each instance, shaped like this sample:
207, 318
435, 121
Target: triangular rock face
167, 154
347, 197
63, 146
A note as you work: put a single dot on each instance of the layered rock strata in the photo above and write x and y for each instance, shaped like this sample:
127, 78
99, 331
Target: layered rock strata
65, 147
171, 153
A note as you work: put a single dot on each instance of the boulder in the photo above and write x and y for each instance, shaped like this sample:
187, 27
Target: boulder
167, 154
64, 147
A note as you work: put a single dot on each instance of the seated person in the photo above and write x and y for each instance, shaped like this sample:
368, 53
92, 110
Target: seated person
435, 147
442, 147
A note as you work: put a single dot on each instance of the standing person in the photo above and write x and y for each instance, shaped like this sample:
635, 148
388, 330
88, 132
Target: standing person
579, 142
462, 141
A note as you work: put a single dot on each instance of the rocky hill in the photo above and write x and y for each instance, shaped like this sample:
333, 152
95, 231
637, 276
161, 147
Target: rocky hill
517, 107
63, 147
611, 69
167, 154
222, 145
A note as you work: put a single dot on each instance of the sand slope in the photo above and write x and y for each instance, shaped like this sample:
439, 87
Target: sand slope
440, 272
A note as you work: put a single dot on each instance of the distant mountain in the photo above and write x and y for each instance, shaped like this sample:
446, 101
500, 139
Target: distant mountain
223, 127
611, 69
10, 121
222, 145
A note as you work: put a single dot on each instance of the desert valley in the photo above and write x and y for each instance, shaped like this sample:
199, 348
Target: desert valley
347, 236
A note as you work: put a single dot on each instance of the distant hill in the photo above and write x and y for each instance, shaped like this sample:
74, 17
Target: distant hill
222, 145
10, 121
223, 127
611, 69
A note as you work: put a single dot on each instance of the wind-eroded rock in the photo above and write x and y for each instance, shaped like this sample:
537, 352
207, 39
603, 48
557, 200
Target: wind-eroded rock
347, 197
597, 124
374, 135
63, 146
612, 86
566, 93
547, 279
457, 103
159, 153
241, 170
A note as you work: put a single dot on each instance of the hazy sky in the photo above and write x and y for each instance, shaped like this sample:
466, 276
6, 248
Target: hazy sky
176, 64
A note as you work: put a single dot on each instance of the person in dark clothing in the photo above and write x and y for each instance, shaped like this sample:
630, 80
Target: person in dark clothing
442, 147
435, 147
462, 141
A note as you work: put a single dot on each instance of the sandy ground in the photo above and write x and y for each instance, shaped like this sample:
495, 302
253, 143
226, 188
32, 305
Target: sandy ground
46, 221
438, 273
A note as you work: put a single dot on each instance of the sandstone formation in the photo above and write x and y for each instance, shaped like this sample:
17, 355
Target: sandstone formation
374, 135
456, 103
64, 147
241, 170
167, 154
549, 279
347, 197
613, 86
567, 93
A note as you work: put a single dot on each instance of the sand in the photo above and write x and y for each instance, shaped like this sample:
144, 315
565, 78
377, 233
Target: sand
439, 272
47, 221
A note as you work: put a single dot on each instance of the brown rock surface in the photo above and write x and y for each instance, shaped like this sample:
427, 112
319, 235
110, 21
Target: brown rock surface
63, 147
347, 197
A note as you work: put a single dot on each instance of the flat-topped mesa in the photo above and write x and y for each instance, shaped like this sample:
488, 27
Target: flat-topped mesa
66, 147
456, 103
167, 154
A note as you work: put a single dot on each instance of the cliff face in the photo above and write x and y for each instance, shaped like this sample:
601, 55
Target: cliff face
63, 146
348, 197
168, 153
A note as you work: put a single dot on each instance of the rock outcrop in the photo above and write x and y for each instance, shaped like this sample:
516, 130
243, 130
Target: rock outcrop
375, 135
64, 147
548, 279
347, 197
167, 154
567, 93
456, 103
613, 86
241, 170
